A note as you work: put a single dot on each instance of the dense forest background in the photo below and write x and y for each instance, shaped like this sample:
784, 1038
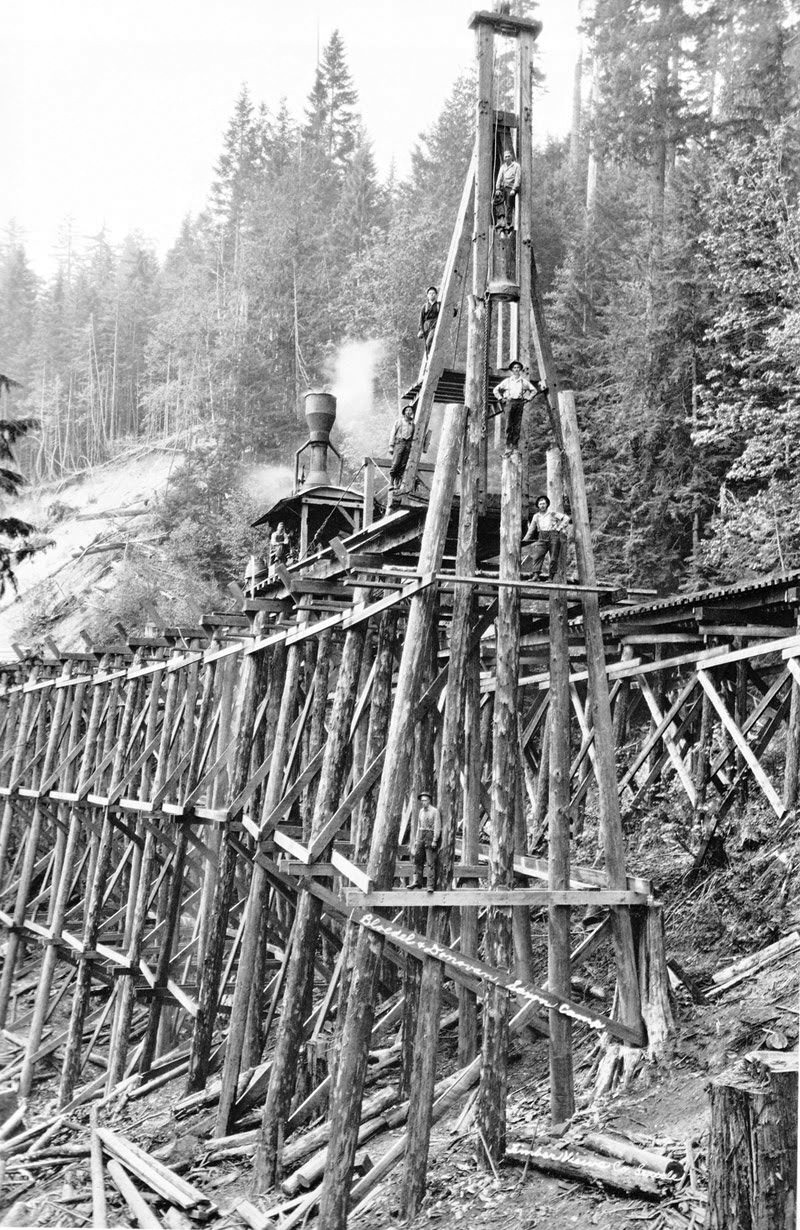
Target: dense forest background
667, 236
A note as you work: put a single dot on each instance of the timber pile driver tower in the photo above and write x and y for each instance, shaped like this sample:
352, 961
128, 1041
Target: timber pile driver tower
205, 833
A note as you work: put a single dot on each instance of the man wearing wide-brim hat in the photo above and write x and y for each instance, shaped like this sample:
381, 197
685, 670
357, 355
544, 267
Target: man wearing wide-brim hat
428, 840
512, 394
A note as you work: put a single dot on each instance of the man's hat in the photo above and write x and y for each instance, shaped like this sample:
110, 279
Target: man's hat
515, 363
543, 497
433, 288
424, 794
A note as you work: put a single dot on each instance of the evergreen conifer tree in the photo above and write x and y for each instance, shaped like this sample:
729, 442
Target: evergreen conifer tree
330, 133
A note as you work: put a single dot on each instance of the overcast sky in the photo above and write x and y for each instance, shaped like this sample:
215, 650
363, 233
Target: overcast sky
114, 111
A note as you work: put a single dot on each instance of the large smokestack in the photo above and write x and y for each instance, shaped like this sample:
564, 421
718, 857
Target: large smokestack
320, 416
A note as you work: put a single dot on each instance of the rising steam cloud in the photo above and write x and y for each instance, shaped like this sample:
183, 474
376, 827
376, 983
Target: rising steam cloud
364, 423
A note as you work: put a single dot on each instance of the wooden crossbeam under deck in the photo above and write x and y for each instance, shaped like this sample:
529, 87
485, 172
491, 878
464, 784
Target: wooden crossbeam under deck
400, 898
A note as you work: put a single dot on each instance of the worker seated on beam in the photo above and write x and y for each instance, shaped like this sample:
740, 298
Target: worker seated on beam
400, 445
512, 394
427, 842
428, 316
546, 530
507, 185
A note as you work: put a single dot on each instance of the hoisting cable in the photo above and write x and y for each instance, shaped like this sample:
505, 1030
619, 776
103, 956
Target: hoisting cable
341, 497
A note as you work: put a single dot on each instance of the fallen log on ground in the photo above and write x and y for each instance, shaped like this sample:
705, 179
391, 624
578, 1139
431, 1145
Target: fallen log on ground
141, 1212
611, 1146
751, 965
786, 944
585, 1167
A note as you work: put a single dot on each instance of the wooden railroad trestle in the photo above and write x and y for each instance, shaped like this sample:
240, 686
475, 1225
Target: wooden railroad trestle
131, 776
204, 839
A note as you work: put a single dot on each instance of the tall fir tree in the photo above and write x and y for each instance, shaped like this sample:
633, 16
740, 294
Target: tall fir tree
330, 133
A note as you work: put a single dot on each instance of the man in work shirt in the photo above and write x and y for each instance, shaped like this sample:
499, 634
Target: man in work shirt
546, 529
278, 548
511, 394
428, 317
426, 846
400, 445
507, 186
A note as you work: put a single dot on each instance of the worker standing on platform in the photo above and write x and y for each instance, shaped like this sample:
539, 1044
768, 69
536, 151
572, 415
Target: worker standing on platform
508, 182
428, 840
428, 317
546, 529
278, 548
512, 394
400, 445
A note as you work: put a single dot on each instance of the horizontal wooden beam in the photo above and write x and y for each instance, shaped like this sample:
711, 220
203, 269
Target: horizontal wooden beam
400, 898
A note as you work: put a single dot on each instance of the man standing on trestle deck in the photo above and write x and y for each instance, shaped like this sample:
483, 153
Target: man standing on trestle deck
278, 548
512, 394
546, 529
428, 317
400, 445
509, 178
426, 846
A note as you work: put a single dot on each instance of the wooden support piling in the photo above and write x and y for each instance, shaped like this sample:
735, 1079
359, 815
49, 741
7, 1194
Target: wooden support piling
450, 805
306, 926
562, 1095
347, 1096
610, 819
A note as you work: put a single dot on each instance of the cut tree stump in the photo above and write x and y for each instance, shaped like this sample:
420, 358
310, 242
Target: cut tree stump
753, 1146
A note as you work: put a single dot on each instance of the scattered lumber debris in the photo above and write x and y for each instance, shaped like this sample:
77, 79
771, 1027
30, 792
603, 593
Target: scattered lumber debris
731, 975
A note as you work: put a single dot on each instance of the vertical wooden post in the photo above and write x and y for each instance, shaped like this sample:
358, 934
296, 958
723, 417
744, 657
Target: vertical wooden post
791, 772
654, 981
484, 157
284, 683
225, 681
300, 971
210, 989
346, 1102
658, 688
562, 1095
450, 808
605, 763
740, 716
20, 748
120, 1035
83, 982
196, 734
623, 703
63, 868
362, 824
68, 868
524, 80
26, 874
542, 779
422, 778
467, 1002
491, 1105
703, 750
